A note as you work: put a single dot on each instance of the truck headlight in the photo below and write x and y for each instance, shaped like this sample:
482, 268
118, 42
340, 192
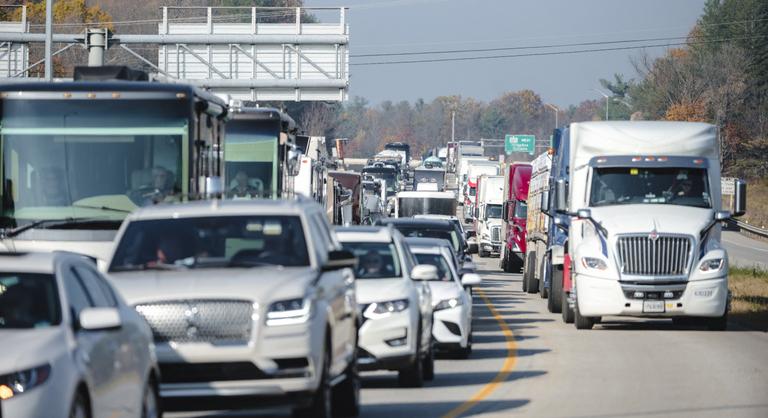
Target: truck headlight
380, 309
448, 304
289, 312
15, 384
593, 263
714, 264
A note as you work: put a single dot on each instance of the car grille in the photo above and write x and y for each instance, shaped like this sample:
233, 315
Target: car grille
495, 233
666, 255
209, 372
212, 321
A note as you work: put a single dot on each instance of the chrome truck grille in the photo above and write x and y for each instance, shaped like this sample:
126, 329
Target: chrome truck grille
495, 233
212, 321
654, 254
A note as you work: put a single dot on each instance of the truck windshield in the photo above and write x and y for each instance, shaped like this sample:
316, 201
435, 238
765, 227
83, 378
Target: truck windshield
376, 260
493, 211
213, 242
90, 158
652, 185
411, 206
250, 155
28, 300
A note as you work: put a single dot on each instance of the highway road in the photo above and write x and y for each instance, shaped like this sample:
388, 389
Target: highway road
744, 251
526, 362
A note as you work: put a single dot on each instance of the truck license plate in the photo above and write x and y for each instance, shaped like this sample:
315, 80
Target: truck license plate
653, 306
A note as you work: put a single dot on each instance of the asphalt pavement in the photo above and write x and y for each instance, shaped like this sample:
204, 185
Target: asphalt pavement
527, 362
744, 251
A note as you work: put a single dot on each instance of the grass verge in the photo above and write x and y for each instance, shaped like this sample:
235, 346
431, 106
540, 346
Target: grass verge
749, 288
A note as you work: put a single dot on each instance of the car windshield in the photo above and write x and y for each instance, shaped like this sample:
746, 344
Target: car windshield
28, 300
428, 232
654, 185
376, 260
214, 242
521, 209
444, 273
493, 211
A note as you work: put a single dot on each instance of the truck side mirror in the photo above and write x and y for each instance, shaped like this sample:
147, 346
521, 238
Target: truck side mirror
544, 203
740, 198
505, 211
561, 192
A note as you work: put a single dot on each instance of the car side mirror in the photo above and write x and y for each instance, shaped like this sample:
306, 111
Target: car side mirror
561, 193
740, 198
99, 319
340, 259
584, 214
471, 279
424, 272
722, 215
472, 246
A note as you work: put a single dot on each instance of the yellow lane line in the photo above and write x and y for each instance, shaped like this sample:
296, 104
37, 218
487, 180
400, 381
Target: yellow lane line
506, 368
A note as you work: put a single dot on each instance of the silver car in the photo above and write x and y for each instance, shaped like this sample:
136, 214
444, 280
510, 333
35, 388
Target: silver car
71, 347
251, 303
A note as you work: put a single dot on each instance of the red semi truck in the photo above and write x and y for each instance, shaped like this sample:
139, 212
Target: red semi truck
517, 177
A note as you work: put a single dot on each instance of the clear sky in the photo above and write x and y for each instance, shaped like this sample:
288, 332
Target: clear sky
387, 26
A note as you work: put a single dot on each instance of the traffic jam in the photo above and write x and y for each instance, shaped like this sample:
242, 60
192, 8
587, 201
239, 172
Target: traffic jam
163, 249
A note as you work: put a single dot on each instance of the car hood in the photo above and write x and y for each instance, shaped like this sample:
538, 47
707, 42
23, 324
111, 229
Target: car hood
30, 348
260, 284
443, 290
642, 219
382, 290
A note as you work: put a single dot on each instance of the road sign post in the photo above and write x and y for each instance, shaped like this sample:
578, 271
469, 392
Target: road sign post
519, 143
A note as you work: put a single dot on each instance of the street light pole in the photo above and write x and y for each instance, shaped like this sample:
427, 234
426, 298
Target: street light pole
556, 110
607, 100
48, 39
453, 126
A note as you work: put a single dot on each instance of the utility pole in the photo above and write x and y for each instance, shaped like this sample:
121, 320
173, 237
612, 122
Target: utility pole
48, 39
453, 126
96, 40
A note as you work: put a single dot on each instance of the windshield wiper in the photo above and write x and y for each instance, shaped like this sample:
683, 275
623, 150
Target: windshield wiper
252, 263
50, 223
105, 208
144, 267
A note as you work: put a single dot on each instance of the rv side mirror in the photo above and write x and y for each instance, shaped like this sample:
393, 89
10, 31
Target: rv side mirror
212, 187
740, 198
294, 157
561, 193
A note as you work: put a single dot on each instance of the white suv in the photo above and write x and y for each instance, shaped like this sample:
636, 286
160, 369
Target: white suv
250, 302
396, 304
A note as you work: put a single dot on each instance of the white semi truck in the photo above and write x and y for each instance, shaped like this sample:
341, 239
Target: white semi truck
646, 208
490, 196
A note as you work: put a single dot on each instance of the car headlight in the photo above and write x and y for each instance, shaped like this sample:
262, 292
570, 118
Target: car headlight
448, 304
15, 384
714, 264
289, 312
380, 309
593, 263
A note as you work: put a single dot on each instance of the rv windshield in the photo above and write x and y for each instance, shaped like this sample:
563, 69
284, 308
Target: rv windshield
650, 185
90, 158
250, 155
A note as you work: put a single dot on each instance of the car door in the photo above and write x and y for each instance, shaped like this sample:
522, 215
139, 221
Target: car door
124, 352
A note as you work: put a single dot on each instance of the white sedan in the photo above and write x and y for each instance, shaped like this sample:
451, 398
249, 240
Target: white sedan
451, 296
71, 347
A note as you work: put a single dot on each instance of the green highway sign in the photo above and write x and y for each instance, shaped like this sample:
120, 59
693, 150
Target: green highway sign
520, 143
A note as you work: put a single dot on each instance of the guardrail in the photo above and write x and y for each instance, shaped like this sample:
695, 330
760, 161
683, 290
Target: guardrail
749, 229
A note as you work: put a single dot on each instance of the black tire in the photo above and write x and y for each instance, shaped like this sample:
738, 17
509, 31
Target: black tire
428, 366
515, 263
526, 267
554, 303
717, 324
581, 322
504, 262
322, 402
150, 403
413, 376
464, 352
533, 284
543, 291
79, 408
346, 395
483, 254
565, 309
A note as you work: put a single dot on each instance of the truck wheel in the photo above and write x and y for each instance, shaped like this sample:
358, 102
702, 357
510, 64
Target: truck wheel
526, 267
554, 303
483, 254
582, 322
718, 324
504, 262
346, 395
413, 376
533, 284
565, 309
322, 398
515, 263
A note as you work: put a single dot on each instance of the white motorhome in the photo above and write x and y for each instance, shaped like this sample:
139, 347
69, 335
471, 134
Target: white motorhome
490, 196
462, 172
645, 239
477, 168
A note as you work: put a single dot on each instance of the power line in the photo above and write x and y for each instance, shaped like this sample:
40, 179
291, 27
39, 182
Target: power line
539, 54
